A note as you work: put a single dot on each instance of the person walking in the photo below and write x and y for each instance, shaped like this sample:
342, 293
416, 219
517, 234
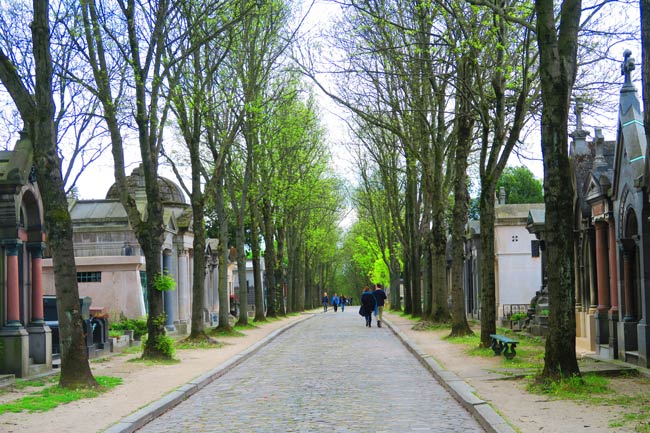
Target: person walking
380, 297
325, 300
335, 302
368, 303
343, 301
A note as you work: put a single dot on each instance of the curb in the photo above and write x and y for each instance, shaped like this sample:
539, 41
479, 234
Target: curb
489, 419
153, 410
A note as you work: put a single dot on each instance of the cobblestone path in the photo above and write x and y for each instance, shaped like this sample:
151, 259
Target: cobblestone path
327, 374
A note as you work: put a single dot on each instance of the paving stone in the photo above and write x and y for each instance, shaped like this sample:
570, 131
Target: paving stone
326, 374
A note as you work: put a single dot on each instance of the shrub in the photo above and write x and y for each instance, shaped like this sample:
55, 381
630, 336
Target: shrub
519, 316
165, 344
138, 326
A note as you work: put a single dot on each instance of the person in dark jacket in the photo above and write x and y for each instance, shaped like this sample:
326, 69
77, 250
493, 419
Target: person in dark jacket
343, 301
335, 302
380, 296
368, 303
325, 300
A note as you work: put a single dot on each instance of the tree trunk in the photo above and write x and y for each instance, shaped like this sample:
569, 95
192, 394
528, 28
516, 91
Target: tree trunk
558, 71
198, 244
224, 302
260, 316
465, 122
645, 46
75, 370
487, 292
269, 260
280, 272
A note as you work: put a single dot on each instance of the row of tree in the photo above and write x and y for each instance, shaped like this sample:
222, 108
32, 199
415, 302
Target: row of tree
205, 87
441, 88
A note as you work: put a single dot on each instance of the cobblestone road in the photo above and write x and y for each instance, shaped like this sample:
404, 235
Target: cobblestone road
327, 374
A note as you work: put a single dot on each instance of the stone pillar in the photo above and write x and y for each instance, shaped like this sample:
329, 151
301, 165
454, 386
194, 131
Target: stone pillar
593, 306
628, 256
602, 267
613, 271
36, 250
613, 291
168, 296
602, 278
13, 289
182, 286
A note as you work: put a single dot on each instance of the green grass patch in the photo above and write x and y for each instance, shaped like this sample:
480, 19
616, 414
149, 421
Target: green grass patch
248, 326
53, 396
220, 332
588, 388
35, 383
151, 362
198, 344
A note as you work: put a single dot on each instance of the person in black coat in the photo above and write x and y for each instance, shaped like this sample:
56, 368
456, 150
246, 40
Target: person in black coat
368, 303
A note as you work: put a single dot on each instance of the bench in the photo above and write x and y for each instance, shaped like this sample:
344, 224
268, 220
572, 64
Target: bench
502, 345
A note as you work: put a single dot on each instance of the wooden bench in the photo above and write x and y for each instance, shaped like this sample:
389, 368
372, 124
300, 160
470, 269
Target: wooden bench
502, 345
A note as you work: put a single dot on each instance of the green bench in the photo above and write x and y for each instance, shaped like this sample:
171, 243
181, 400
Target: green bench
502, 345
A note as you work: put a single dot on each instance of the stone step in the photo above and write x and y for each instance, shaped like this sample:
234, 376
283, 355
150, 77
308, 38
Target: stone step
7, 380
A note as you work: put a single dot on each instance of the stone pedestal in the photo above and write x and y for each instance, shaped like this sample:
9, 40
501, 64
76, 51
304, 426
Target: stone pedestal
602, 327
627, 338
15, 351
613, 336
593, 326
40, 344
643, 330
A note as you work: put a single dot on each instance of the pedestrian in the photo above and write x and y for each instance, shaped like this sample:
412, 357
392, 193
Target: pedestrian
325, 301
368, 303
335, 302
380, 297
343, 301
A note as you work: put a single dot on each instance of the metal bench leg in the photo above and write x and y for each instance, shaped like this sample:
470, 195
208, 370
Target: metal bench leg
509, 350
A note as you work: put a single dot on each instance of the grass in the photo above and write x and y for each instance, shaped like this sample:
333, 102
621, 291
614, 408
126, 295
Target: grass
52, 396
220, 332
589, 389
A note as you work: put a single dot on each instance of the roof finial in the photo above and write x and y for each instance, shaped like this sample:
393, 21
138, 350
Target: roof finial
627, 67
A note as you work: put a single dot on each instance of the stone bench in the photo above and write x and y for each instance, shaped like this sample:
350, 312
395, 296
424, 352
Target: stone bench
502, 345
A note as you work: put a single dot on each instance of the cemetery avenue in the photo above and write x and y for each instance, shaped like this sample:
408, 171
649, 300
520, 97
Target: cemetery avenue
327, 374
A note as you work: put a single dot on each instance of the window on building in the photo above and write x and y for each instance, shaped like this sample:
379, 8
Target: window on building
534, 248
89, 277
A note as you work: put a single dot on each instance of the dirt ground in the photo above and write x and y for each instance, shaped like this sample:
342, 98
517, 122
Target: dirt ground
142, 385
527, 413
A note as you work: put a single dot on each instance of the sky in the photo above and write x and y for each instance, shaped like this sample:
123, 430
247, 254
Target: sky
95, 182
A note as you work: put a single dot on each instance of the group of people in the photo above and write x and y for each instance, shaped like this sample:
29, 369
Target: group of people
336, 302
373, 302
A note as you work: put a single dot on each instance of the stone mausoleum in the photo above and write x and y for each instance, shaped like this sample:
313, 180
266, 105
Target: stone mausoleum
25, 339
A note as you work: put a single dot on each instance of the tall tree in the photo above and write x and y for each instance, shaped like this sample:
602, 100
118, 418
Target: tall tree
558, 45
36, 107
113, 37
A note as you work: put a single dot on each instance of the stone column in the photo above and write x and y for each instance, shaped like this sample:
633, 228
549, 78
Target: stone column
613, 291
628, 256
36, 250
13, 289
168, 296
613, 270
602, 278
602, 268
182, 286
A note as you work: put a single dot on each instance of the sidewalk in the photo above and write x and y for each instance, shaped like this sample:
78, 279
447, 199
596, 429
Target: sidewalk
504, 391
483, 382
143, 384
